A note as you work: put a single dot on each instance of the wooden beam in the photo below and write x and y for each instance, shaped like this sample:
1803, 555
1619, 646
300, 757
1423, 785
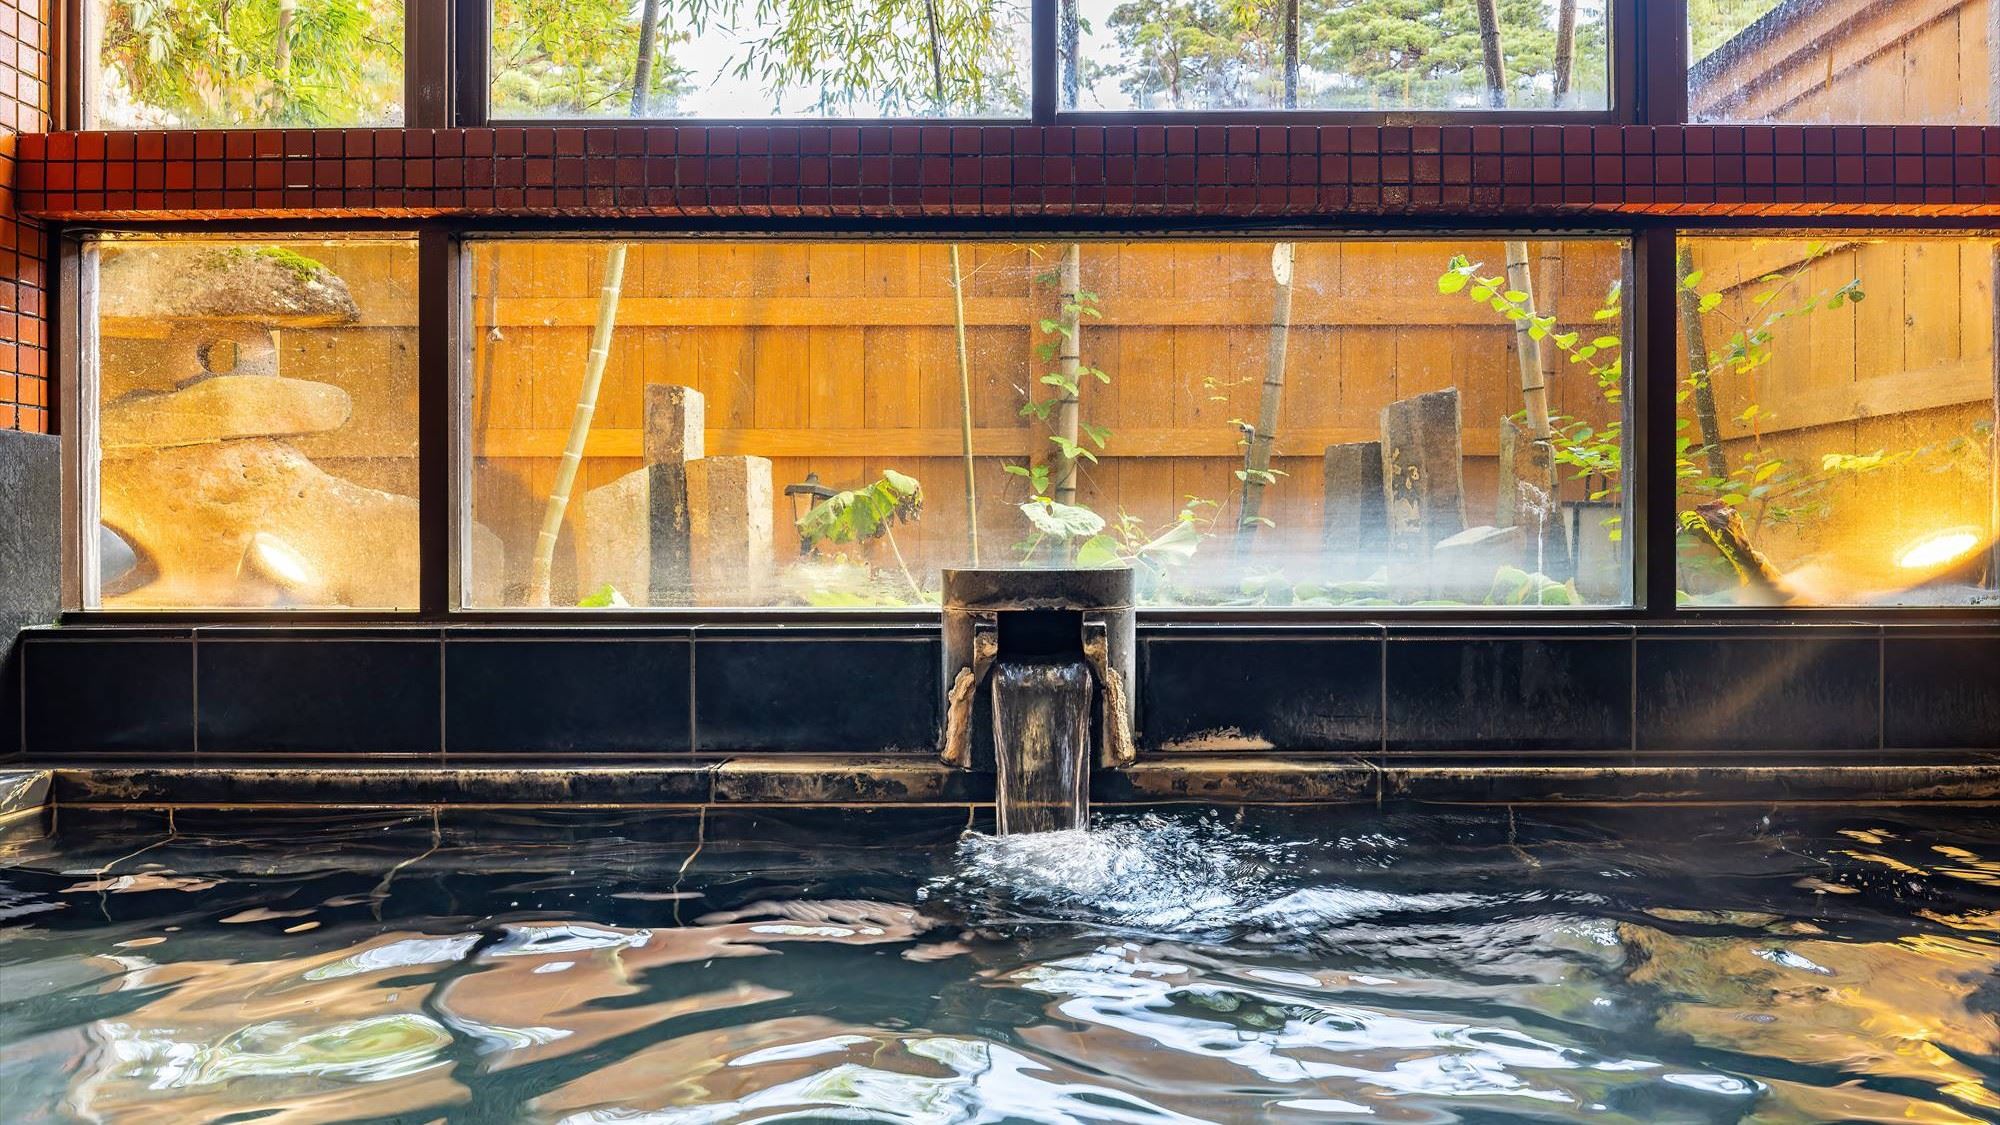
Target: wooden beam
885, 444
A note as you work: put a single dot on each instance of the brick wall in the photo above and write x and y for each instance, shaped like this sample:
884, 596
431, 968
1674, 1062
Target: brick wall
26, 392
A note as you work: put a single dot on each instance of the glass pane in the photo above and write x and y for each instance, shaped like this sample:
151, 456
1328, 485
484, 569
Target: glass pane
257, 423
782, 423
1893, 61
1387, 55
190, 64
1837, 421
790, 58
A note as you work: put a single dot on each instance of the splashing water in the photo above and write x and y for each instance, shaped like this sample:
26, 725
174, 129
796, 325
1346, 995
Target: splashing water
1145, 873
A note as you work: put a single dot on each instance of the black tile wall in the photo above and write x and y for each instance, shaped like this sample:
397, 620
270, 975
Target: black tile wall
1941, 692
873, 689
108, 695
1237, 689
10, 703
817, 690
1783, 688
1504, 691
321, 695
543, 694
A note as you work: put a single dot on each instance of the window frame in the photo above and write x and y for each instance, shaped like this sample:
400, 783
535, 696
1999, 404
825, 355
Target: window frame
446, 85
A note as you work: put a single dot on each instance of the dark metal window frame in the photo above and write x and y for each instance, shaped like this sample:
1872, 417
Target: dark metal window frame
444, 354
447, 84
1623, 57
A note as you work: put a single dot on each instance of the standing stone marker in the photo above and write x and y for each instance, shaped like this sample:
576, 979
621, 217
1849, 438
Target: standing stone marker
1355, 525
1423, 471
729, 529
633, 533
1527, 497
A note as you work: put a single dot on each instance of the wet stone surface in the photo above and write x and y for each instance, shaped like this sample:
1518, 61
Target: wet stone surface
719, 965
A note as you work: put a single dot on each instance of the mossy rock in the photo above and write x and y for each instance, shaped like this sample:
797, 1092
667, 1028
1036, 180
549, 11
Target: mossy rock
259, 284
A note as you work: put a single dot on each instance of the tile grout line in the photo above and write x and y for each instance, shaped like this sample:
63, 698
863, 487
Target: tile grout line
1632, 701
1382, 747
444, 696
1882, 690
194, 691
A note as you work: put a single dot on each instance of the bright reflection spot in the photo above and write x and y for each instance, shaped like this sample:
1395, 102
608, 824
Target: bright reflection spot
1938, 549
276, 560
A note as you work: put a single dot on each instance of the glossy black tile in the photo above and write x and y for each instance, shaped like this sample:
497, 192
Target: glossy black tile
100, 695
816, 693
1785, 688
312, 695
1940, 692
1215, 691
1524, 694
546, 695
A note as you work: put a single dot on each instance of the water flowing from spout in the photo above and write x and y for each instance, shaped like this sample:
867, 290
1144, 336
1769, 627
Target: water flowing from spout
1041, 738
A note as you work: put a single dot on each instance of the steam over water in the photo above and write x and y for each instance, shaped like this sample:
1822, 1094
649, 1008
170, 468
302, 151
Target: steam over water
1334, 965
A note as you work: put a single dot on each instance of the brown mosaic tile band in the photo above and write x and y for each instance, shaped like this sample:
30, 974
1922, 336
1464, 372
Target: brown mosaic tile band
26, 397
914, 171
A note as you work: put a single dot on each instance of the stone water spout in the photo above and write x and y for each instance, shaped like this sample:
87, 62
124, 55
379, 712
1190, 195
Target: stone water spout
1048, 654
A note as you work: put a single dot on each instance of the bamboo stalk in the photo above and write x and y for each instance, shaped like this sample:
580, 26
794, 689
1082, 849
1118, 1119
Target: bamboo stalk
1696, 343
965, 406
1257, 466
579, 427
1070, 364
1527, 349
958, 318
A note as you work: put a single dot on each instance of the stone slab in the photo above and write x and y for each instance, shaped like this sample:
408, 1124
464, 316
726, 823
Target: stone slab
221, 408
729, 529
30, 539
1423, 470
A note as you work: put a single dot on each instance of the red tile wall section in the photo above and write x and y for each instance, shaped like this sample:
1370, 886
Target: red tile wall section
1064, 172
25, 390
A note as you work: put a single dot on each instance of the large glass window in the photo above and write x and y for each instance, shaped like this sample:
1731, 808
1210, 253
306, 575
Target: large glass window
1383, 55
1836, 429
216, 63
774, 58
1317, 424
1887, 62
256, 438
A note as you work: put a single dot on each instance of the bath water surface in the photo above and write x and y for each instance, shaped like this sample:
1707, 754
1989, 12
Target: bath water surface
1650, 965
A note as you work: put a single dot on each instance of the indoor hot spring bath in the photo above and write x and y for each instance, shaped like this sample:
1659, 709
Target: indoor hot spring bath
1692, 964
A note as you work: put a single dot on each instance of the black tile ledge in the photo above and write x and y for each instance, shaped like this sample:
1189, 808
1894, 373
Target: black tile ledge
817, 691
318, 694
1509, 691
1317, 690
578, 694
1779, 688
107, 691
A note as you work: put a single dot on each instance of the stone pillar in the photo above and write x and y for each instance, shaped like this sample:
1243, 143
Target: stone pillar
729, 529
1423, 472
1355, 526
676, 421
633, 532
30, 556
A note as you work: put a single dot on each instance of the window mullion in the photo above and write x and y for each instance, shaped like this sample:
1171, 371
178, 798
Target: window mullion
1661, 64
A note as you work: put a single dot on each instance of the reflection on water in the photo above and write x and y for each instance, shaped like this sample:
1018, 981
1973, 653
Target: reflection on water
1642, 966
